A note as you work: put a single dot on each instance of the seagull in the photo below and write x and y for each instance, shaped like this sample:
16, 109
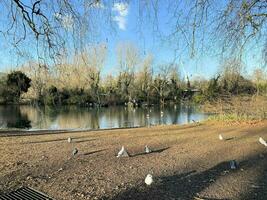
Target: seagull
233, 164
149, 179
147, 150
221, 137
69, 140
75, 151
122, 153
262, 141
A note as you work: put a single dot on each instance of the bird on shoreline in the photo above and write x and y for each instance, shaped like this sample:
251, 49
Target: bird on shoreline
69, 140
147, 149
221, 137
75, 151
262, 141
149, 179
122, 153
233, 164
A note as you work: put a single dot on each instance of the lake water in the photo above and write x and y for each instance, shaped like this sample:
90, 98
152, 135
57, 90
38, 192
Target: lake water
72, 117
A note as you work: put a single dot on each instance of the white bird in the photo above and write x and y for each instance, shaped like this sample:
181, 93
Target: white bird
149, 179
75, 151
147, 115
262, 141
221, 137
69, 140
161, 113
147, 150
122, 153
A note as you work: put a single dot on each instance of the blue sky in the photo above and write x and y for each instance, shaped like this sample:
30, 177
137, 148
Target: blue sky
128, 29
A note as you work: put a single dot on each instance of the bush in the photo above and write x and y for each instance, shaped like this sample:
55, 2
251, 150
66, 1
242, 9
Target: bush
15, 84
199, 98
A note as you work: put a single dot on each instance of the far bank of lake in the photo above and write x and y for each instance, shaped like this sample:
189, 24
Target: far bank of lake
73, 117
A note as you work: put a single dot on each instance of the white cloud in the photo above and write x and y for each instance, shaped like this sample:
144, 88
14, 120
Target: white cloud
122, 10
121, 21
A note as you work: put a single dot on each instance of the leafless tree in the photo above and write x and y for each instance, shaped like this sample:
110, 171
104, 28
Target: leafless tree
235, 26
128, 59
51, 27
144, 79
162, 81
226, 27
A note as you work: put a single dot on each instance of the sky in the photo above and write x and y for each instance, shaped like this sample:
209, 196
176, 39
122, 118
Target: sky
127, 29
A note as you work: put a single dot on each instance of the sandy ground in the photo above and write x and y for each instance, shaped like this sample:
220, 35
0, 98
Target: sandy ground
188, 162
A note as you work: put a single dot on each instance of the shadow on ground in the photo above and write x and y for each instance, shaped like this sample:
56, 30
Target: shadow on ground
153, 151
188, 185
259, 189
93, 152
57, 140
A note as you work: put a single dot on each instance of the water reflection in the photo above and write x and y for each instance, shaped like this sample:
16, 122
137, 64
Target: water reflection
12, 117
72, 117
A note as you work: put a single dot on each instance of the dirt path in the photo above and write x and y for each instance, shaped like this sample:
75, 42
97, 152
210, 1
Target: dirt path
189, 162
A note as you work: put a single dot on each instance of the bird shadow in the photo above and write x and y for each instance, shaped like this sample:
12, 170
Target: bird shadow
81, 141
93, 152
153, 151
231, 138
57, 140
45, 141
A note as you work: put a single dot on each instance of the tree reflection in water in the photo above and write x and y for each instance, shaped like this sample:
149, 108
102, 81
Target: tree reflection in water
74, 117
12, 117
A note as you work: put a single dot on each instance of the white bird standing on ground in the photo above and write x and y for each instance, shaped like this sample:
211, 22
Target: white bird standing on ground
147, 150
122, 153
149, 179
75, 151
69, 140
221, 137
262, 141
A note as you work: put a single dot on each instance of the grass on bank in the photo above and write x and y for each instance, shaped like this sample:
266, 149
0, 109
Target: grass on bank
242, 108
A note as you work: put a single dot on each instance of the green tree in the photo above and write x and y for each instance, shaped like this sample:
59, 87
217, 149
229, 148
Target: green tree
17, 83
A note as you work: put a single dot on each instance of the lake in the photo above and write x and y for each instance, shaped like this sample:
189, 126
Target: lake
73, 117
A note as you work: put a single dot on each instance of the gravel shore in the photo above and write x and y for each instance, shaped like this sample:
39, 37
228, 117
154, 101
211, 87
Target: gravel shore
187, 162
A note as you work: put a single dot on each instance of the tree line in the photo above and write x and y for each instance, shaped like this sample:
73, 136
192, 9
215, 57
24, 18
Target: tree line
79, 80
